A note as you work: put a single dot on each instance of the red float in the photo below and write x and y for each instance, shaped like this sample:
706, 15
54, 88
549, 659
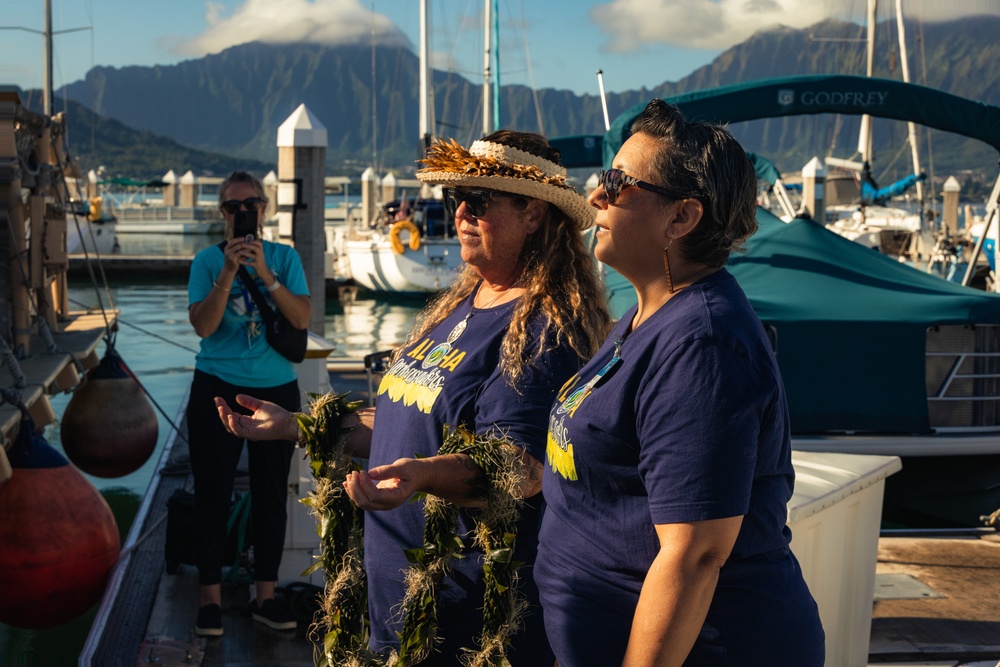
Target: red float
109, 428
58, 537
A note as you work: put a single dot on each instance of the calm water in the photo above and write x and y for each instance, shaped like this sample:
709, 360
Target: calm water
157, 342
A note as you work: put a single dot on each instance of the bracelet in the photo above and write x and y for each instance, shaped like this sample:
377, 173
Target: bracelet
215, 284
273, 286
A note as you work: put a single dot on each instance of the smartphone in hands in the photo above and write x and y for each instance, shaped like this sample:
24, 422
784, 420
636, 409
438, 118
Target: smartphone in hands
245, 225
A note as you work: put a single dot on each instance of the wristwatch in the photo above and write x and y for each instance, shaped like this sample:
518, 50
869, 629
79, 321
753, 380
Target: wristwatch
273, 286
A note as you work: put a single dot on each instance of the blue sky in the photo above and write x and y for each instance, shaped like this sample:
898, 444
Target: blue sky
544, 43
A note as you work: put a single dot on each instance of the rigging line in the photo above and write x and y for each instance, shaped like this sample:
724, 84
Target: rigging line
145, 331
86, 253
152, 400
531, 73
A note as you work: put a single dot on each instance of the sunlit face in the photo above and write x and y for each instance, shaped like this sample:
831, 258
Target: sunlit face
239, 192
492, 244
631, 233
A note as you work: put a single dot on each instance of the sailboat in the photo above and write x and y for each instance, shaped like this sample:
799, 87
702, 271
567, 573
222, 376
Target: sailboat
856, 207
411, 247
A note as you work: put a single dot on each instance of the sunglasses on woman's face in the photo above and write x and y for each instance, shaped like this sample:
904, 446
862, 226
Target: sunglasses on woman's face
614, 180
475, 201
252, 204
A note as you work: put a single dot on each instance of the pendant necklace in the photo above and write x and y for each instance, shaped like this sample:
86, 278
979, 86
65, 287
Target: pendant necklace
442, 350
460, 327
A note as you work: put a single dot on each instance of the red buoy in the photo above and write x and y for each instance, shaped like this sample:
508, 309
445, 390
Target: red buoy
58, 537
109, 428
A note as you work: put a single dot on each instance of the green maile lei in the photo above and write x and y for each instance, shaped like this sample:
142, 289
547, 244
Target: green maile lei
340, 631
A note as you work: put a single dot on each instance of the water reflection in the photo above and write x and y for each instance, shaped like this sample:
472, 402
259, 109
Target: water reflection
359, 323
166, 244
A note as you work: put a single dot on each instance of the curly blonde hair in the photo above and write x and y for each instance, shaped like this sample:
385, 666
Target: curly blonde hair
560, 282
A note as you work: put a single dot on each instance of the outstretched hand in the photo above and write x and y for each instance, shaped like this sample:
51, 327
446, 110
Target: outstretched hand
269, 421
386, 487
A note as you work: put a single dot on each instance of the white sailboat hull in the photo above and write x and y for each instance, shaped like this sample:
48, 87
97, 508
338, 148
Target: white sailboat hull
96, 237
374, 264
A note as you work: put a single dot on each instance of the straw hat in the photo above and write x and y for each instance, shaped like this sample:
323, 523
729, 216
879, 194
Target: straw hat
505, 169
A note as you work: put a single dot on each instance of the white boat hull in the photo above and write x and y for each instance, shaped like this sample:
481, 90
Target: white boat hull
375, 266
99, 238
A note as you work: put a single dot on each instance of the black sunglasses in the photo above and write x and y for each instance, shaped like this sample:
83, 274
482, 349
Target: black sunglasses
614, 180
252, 204
475, 200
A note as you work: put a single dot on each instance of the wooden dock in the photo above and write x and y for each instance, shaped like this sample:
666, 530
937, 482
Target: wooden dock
134, 265
148, 614
937, 601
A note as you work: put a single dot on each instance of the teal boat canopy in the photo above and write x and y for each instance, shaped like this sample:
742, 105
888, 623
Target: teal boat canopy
850, 325
815, 94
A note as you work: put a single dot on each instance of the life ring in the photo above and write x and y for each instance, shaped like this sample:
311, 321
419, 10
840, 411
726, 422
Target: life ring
399, 226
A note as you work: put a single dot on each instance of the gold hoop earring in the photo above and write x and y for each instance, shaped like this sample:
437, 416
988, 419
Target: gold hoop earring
666, 265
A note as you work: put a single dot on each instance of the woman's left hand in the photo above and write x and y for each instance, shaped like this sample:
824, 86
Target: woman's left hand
385, 487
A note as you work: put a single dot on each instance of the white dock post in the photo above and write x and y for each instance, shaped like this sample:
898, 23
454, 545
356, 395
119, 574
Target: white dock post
813, 194
388, 188
302, 141
93, 190
170, 189
189, 190
949, 213
270, 183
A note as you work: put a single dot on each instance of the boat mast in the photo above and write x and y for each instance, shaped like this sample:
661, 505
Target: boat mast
604, 100
427, 120
487, 102
495, 25
47, 74
865, 136
911, 126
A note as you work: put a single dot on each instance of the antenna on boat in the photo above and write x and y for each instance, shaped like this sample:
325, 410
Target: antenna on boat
604, 99
48, 33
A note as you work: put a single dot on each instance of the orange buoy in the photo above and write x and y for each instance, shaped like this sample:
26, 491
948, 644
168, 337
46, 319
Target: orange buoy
109, 428
58, 537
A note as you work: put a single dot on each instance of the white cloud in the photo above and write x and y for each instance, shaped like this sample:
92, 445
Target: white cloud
331, 22
630, 25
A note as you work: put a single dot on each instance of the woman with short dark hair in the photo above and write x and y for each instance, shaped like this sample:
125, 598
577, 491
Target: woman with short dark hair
669, 455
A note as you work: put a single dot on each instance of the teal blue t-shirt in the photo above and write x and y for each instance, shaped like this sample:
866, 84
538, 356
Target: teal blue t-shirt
238, 352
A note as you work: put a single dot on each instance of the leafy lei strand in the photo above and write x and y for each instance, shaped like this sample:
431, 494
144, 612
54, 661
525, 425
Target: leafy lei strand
340, 632
343, 624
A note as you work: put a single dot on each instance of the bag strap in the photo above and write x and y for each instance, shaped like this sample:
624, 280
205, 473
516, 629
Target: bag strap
265, 310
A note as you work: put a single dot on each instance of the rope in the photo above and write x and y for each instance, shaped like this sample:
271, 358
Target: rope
46, 333
12, 397
145, 331
13, 367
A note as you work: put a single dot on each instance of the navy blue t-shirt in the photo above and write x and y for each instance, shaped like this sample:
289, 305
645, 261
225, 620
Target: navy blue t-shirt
431, 386
690, 424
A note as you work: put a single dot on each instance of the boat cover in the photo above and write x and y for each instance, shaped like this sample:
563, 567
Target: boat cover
814, 94
850, 324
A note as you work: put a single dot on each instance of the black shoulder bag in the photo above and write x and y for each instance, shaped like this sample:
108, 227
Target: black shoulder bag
287, 341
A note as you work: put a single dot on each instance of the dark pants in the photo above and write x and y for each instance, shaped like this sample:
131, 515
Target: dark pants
215, 454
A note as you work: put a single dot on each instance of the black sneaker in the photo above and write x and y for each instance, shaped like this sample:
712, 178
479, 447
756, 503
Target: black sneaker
274, 615
209, 621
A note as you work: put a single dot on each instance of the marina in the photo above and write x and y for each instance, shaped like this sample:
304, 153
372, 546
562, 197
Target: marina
892, 377
146, 612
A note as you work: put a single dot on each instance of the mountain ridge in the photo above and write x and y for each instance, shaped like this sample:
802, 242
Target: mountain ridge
232, 102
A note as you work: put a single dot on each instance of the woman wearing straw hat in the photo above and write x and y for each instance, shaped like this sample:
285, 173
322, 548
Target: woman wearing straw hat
488, 354
674, 439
